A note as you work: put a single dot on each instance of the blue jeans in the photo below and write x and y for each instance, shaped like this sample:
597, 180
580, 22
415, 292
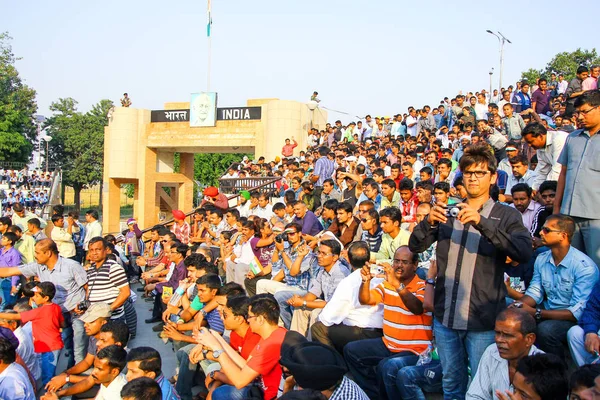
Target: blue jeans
587, 238
185, 379
75, 339
49, 360
285, 310
228, 392
7, 298
388, 373
365, 359
459, 350
552, 336
408, 382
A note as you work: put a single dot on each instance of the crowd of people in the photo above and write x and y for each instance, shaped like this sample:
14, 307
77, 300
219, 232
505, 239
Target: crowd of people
27, 187
454, 250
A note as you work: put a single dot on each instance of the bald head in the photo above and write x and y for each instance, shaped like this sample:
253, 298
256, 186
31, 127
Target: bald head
46, 245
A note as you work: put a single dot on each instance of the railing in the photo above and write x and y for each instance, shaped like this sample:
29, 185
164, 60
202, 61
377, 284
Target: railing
232, 187
14, 165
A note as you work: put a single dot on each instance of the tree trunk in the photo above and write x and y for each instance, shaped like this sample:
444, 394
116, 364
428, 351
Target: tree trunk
100, 193
77, 197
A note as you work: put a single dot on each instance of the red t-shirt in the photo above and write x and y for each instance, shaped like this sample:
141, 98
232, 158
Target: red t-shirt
46, 322
264, 359
244, 345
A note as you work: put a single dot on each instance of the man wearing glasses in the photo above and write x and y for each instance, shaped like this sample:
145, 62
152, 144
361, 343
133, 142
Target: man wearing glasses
471, 250
327, 278
562, 282
577, 193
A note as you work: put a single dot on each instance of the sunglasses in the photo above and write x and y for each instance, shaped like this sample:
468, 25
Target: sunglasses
548, 230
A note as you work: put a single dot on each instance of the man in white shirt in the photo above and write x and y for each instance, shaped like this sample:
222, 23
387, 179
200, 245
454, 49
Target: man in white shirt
63, 236
515, 335
520, 174
108, 365
548, 145
501, 103
411, 123
264, 209
562, 86
344, 319
92, 229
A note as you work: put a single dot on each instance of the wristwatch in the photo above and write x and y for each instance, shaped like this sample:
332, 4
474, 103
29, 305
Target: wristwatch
68, 378
401, 287
430, 281
304, 305
217, 353
212, 374
203, 313
538, 314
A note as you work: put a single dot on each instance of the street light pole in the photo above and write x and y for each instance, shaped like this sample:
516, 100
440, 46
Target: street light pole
501, 40
491, 73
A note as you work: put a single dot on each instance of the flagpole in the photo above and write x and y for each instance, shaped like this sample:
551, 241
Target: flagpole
208, 29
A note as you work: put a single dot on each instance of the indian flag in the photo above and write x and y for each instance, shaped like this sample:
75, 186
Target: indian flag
209, 23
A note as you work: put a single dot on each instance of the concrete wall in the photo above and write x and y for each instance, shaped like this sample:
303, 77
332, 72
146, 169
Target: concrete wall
139, 152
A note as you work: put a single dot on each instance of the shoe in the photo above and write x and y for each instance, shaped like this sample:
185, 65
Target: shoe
134, 281
149, 299
152, 320
140, 289
158, 327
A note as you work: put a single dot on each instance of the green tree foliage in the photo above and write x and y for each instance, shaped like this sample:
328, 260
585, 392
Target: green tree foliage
209, 167
565, 63
78, 142
17, 107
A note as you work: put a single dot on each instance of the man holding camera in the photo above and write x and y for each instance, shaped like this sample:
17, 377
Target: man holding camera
471, 250
70, 279
291, 267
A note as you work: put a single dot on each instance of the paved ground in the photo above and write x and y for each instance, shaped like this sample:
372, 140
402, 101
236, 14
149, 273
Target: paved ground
146, 337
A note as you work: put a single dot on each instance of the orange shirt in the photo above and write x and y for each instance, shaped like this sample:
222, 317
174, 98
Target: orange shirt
403, 330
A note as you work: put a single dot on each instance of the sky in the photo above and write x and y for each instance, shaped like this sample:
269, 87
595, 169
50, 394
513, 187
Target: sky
376, 57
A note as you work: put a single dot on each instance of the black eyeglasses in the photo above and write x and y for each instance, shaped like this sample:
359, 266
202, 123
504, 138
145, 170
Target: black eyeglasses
587, 111
478, 174
548, 230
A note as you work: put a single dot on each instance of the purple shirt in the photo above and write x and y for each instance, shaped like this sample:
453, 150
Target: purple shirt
263, 254
542, 101
310, 223
177, 275
10, 258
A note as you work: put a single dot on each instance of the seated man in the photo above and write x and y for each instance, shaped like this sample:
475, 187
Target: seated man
319, 367
306, 219
235, 313
563, 279
393, 236
185, 379
331, 272
146, 362
344, 319
15, 382
581, 382
345, 225
522, 196
111, 333
291, 267
584, 342
539, 376
263, 361
141, 389
407, 328
515, 335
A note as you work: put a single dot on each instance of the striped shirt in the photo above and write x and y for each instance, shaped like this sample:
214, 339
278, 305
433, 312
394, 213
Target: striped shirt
403, 330
104, 284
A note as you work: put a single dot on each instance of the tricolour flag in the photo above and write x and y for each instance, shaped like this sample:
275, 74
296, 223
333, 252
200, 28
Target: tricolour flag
209, 22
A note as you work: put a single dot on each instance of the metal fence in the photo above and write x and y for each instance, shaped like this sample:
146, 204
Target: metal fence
232, 186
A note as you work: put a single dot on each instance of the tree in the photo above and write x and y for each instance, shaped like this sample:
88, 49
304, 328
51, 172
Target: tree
17, 108
78, 142
564, 63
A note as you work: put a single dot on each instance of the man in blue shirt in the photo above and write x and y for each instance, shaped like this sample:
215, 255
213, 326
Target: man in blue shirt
146, 361
563, 279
